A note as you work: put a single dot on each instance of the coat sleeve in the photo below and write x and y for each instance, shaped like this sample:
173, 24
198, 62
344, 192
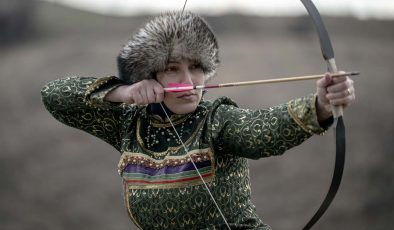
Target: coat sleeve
266, 132
78, 102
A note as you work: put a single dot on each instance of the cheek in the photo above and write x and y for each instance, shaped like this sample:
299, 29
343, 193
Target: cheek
161, 79
199, 79
164, 80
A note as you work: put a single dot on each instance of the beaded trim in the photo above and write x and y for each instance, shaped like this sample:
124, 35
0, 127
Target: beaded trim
185, 177
176, 119
303, 112
170, 150
197, 155
96, 98
96, 84
197, 181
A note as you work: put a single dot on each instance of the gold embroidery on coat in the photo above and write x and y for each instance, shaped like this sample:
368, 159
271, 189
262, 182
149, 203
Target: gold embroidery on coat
169, 150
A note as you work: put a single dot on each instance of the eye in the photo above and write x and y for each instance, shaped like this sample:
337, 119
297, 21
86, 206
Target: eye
171, 69
196, 66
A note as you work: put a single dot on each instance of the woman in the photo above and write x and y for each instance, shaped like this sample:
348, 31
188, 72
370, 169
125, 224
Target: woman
163, 160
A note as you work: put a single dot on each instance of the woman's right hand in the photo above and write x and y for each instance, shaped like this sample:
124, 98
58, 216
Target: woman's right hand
140, 93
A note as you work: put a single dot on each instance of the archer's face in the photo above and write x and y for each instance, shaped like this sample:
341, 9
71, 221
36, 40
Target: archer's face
185, 72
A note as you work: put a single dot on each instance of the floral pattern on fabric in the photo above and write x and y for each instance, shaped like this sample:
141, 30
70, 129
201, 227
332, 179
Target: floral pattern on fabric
220, 131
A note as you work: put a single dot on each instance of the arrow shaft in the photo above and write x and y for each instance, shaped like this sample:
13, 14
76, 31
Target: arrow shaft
245, 83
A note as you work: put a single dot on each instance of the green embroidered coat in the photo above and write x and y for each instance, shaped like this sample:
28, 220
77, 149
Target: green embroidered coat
162, 189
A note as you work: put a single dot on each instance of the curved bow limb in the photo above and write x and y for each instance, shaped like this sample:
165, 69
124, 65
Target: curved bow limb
339, 127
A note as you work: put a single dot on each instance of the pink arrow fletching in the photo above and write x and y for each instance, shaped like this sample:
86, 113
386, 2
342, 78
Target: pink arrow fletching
178, 87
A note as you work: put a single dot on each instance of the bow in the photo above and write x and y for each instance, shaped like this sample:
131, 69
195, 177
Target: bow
339, 127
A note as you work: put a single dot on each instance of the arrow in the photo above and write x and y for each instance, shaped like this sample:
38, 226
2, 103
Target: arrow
180, 87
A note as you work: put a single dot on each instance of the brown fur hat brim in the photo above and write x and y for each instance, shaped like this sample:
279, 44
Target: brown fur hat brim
170, 36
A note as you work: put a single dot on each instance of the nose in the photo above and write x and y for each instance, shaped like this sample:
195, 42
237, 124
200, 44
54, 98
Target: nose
187, 77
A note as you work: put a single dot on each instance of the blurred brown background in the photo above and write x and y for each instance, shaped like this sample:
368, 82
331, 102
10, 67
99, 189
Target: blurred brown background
55, 177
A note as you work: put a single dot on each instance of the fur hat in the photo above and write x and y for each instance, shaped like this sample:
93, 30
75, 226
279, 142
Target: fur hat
170, 36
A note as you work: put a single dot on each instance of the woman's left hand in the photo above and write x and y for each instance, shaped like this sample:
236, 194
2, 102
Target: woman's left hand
333, 91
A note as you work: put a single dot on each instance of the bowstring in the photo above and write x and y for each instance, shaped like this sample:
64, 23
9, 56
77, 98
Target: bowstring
183, 9
198, 171
187, 151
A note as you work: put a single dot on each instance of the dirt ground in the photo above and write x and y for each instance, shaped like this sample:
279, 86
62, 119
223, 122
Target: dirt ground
55, 177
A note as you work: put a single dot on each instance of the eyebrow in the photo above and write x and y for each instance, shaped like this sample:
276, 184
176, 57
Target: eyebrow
173, 62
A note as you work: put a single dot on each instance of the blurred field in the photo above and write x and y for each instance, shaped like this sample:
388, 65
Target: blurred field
55, 177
